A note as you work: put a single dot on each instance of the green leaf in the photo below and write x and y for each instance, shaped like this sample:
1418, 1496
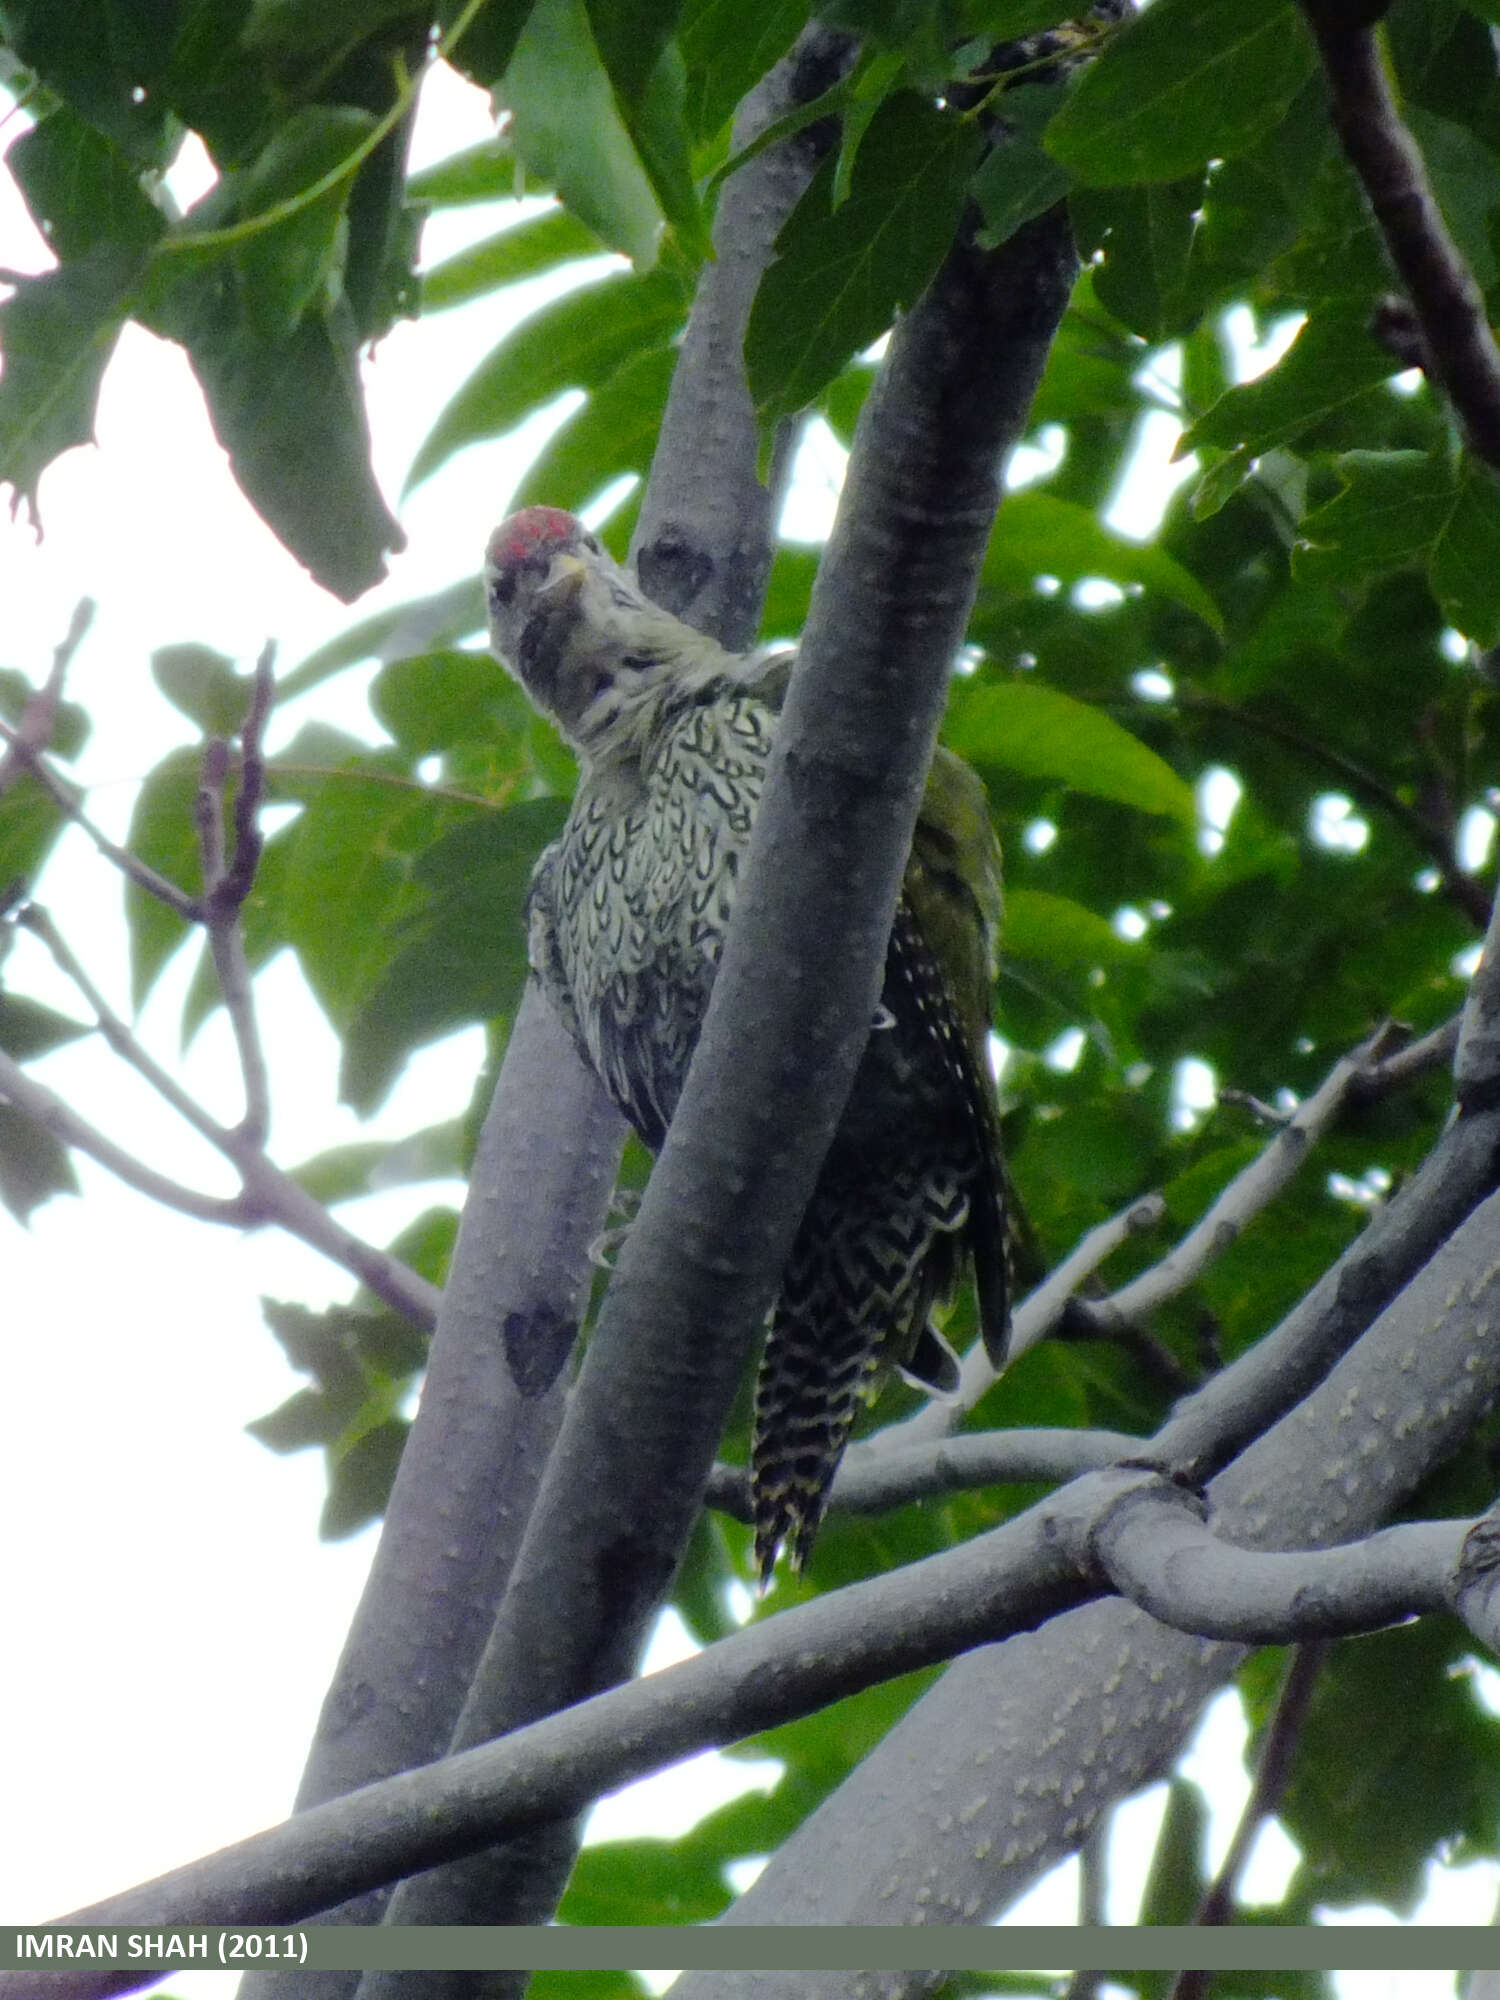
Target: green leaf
426, 1247
1175, 1886
361, 1360
102, 56
1395, 1758
1465, 568
1147, 234
488, 171
353, 849
645, 1882
70, 722
583, 1986
369, 1167
841, 275
631, 36
614, 432
289, 27
538, 244
292, 264
657, 122
489, 40
33, 1165
433, 700
162, 835
441, 619
916, 30
1037, 534
461, 954
1393, 508
576, 342
1223, 479
203, 685
1059, 931
1184, 82
361, 1479
1332, 363
727, 47
1037, 730
1008, 20
28, 1029
1465, 175
290, 413
1339, 251
82, 189
57, 333
568, 130
1400, 507
1017, 178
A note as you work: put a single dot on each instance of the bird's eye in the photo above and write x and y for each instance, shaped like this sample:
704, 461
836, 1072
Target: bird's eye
502, 587
636, 663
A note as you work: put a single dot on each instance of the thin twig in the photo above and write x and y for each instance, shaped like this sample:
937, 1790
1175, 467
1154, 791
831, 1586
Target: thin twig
1445, 298
1476, 1060
116, 1032
46, 1109
871, 1480
1273, 1770
1251, 1191
1436, 842
267, 1193
1434, 1050
39, 717
226, 884
239, 877
65, 798
1363, 1073
271, 1195
1033, 1321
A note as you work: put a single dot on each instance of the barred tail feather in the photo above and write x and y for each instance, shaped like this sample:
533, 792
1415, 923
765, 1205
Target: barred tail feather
861, 1280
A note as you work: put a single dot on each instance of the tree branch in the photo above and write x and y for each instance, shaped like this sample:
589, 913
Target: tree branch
1207, 1429
1363, 1074
704, 540
1127, 1525
1476, 1060
1434, 1050
871, 1479
1159, 1551
1447, 301
65, 798
956, 1812
491, 1403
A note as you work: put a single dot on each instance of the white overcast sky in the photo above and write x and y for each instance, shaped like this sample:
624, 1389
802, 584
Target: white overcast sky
172, 1618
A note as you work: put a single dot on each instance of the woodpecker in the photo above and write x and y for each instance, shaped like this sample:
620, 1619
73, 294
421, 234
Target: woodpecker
627, 915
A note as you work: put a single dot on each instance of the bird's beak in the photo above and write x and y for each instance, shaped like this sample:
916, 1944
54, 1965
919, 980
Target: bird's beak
564, 579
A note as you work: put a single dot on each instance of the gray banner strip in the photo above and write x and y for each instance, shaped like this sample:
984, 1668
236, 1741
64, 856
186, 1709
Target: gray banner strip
50, 1950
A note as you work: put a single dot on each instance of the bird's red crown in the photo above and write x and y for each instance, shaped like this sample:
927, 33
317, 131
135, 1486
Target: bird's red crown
528, 532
